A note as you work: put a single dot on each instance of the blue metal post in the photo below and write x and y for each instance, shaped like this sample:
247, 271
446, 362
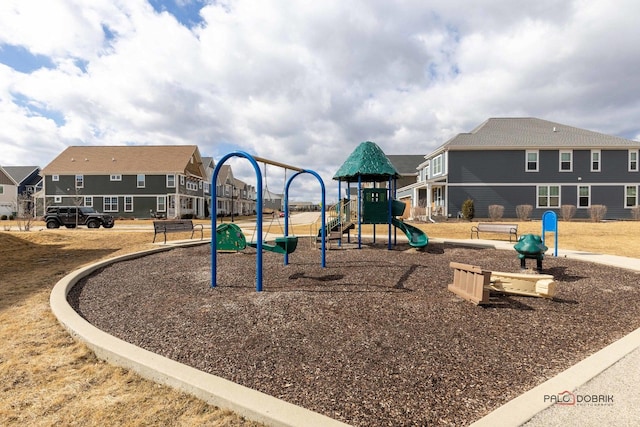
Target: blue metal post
214, 240
550, 223
389, 213
359, 212
323, 210
340, 208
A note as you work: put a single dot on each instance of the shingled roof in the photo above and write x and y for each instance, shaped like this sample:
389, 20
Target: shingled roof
367, 162
504, 133
127, 159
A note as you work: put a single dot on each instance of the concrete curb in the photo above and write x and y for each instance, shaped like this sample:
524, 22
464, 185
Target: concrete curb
261, 407
214, 390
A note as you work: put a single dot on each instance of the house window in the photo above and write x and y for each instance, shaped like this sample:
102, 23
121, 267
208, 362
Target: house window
88, 201
633, 160
171, 181
55, 177
200, 185
631, 196
437, 165
181, 179
566, 161
110, 204
115, 177
584, 196
595, 160
79, 181
140, 180
161, 204
1, 189
128, 203
532, 161
548, 196
57, 199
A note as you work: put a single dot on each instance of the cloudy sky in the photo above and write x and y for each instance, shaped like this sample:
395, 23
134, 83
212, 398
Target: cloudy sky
304, 82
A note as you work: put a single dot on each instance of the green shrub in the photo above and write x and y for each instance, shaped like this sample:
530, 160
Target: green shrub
3, 217
468, 210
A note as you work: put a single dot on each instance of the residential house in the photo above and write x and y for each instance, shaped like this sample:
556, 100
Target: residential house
528, 161
209, 165
129, 181
407, 167
233, 195
15, 182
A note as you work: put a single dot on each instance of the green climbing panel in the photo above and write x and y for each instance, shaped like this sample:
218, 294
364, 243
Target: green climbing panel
229, 237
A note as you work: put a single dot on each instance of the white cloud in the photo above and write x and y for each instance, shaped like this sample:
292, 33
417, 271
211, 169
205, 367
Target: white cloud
307, 81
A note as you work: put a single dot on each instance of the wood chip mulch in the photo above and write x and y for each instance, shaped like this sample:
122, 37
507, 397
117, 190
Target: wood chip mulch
375, 338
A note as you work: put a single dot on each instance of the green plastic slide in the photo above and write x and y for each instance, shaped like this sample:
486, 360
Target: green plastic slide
417, 238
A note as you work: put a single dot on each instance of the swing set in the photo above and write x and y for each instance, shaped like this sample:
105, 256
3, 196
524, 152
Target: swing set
283, 245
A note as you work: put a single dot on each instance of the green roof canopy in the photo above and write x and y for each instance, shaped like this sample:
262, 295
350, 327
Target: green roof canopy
368, 162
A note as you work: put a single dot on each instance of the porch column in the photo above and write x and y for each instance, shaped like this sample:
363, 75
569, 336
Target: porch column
429, 201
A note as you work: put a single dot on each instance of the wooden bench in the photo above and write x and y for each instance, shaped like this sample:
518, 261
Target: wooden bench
175, 226
491, 227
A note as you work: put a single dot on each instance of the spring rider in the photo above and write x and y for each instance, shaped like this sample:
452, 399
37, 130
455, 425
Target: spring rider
530, 246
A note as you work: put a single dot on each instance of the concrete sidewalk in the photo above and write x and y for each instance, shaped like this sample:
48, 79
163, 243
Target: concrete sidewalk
601, 390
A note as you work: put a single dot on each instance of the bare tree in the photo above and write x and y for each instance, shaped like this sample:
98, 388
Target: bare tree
25, 211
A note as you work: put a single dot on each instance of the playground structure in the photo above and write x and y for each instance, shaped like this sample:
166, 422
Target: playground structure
474, 284
530, 246
283, 245
368, 164
229, 237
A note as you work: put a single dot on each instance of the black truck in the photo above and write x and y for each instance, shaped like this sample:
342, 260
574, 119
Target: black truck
72, 216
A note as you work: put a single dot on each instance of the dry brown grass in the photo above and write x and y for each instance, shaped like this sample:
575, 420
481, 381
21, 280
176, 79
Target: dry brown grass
49, 379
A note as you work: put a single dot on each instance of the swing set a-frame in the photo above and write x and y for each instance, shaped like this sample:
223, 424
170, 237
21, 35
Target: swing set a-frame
285, 244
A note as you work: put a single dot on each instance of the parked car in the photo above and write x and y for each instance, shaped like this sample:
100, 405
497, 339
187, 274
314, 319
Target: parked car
70, 216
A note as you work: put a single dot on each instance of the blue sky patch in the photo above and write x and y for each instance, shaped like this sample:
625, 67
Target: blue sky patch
35, 110
187, 12
20, 59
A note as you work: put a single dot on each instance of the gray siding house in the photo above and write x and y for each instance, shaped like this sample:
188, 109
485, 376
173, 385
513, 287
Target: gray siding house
16, 182
529, 161
234, 197
129, 181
